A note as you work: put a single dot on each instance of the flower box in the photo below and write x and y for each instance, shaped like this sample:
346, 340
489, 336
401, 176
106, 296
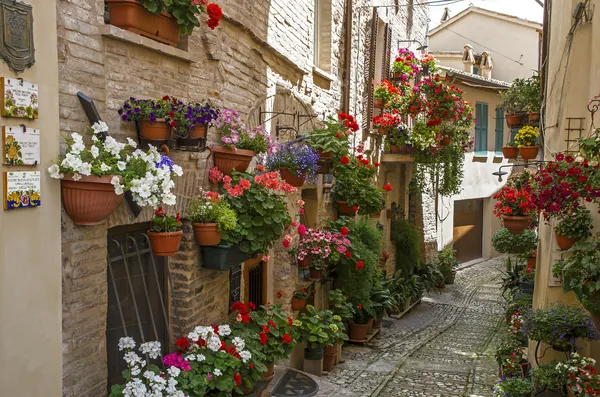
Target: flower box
222, 257
89, 200
228, 160
132, 16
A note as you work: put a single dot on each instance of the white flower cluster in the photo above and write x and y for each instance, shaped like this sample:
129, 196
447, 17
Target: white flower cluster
149, 384
213, 342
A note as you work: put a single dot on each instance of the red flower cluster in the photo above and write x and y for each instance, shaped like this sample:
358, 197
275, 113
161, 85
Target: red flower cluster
273, 181
387, 187
239, 189
243, 311
345, 160
214, 15
344, 231
215, 175
387, 120
514, 202
160, 212
182, 343
286, 339
349, 121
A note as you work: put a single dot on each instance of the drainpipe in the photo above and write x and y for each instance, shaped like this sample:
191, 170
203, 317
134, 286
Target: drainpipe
347, 57
545, 60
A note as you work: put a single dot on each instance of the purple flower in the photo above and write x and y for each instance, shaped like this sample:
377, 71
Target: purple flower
165, 161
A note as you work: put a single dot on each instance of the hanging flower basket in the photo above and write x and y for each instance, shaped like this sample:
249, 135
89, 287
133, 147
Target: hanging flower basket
298, 304
397, 75
344, 209
529, 152
516, 224
222, 257
132, 16
165, 243
514, 120
510, 152
157, 130
291, 177
90, 200
565, 243
227, 160
207, 234
379, 103
533, 117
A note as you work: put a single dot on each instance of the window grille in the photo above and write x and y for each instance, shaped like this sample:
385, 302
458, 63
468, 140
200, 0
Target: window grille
255, 284
235, 278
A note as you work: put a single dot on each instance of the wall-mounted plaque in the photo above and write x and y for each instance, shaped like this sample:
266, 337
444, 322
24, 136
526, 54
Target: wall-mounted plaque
19, 98
16, 35
21, 145
22, 189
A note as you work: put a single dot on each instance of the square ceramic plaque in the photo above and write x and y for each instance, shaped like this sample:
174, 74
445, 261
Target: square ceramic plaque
22, 189
21, 145
19, 98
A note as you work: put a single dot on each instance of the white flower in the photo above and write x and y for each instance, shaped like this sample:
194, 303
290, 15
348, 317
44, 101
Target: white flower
170, 199
200, 357
149, 375
126, 343
238, 343
131, 143
245, 355
104, 167
121, 165
85, 169
217, 372
135, 371
76, 177
151, 348
100, 126
224, 330
174, 371
54, 171
95, 151
190, 357
132, 358
95, 139
214, 343
177, 170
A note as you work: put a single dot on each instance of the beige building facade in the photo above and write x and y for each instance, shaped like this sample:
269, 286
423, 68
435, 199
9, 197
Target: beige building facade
30, 256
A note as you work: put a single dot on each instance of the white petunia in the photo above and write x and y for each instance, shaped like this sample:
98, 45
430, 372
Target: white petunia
54, 171
170, 199
95, 151
100, 126
86, 169
177, 170
121, 165
132, 143
76, 177
104, 167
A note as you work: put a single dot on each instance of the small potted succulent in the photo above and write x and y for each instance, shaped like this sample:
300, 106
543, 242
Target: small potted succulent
296, 162
210, 215
165, 234
384, 93
513, 387
299, 298
510, 151
572, 227
526, 139
560, 326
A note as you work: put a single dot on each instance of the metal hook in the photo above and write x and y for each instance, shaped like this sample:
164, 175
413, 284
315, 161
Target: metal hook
20, 80
35, 164
24, 127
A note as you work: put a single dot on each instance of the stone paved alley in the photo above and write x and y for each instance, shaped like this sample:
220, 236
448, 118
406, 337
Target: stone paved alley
443, 347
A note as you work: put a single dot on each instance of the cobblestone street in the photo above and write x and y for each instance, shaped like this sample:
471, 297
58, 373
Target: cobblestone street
443, 347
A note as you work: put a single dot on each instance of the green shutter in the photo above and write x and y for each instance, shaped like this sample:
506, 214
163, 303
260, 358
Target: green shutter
499, 131
481, 128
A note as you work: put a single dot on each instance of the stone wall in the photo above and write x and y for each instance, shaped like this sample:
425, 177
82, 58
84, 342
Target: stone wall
262, 48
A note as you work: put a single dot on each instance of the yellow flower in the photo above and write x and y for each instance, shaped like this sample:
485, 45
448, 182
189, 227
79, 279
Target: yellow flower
12, 153
10, 140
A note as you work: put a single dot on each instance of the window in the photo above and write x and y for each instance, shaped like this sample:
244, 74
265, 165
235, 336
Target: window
475, 70
481, 128
322, 35
499, 131
137, 295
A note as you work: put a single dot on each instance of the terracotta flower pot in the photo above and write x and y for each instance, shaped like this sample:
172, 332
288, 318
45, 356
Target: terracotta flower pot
329, 360
370, 326
207, 234
516, 224
304, 263
510, 152
291, 177
375, 215
529, 152
132, 16
531, 262
165, 243
395, 149
198, 131
397, 75
270, 371
378, 103
90, 200
344, 209
377, 324
298, 304
154, 130
227, 160
514, 120
358, 332
316, 274
565, 243
447, 140
533, 117
382, 130
331, 349
324, 163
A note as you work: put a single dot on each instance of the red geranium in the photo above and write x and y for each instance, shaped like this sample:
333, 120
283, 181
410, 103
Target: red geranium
214, 15
513, 202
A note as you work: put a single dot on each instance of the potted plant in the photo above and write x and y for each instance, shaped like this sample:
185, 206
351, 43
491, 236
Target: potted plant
161, 21
572, 227
210, 215
505, 242
527, 279
515, 207
532, 97
526, 139
340, 305
386, 122
239, 143
397, 141
580, 273
312, 332
317, 269
549, 376
560, 326
513, 387
510, 151
428, 64
512, 361
512, 101
296, 162
447, 263
95, 177
165, 234
154, 118
580, 375
332, 140
192, 122
382, 299
384, 93
299, 298
336, 335
406, 65
359, 327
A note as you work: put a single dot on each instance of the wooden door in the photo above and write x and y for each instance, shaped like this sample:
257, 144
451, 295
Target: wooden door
468, 229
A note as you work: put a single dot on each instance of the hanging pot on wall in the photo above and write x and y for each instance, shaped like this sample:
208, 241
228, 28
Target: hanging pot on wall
89, 200
305, 263
375, 215
510, 152
345, 209
516, 224
529, 152
533, 117
316, 274
325, 161
226, 160
564, 242
222, 257
206, 234
378, 103
291, 177
165, 243
514, 120
158, 131
298, 304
